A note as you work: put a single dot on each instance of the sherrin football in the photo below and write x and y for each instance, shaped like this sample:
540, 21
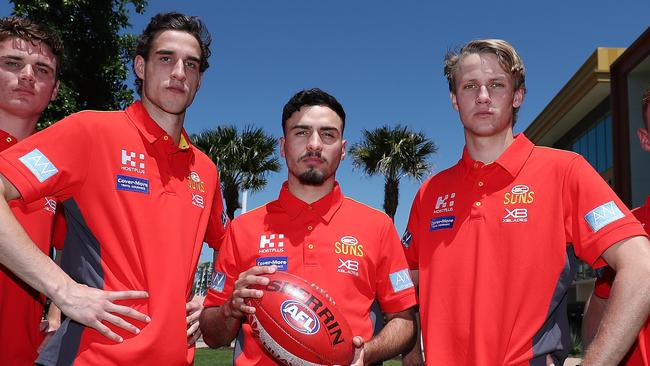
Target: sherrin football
299, 324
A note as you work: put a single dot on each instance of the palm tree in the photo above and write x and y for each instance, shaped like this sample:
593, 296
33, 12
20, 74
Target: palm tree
395, 153
243, 160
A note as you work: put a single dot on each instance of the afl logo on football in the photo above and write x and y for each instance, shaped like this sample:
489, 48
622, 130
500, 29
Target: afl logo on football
300, 317
349, 240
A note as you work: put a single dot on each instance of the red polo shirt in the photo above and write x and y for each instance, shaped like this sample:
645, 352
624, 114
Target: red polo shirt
639, 354
349, 249
21, 307
490, 243
138, 208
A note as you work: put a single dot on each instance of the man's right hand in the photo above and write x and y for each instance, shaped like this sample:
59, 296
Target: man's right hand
236, 307
90, 306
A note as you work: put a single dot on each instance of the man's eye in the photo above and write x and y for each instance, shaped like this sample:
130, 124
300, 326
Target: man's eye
191, 65
470, 86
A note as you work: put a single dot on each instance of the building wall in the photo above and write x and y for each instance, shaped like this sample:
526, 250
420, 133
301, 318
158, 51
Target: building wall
639, 159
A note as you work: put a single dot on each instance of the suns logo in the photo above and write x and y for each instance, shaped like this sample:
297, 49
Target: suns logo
519, 194
348, 245
194, 182
300, 317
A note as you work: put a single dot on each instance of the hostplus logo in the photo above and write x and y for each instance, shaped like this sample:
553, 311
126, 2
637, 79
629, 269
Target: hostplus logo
445, 203
132, 162
273, 243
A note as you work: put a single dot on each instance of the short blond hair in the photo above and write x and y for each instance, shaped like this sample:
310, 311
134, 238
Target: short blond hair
506, 55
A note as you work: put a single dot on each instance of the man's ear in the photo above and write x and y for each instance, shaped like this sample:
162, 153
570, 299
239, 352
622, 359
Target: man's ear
644, 139
139, 63
282, 147
55, 90
518, 99
454, 102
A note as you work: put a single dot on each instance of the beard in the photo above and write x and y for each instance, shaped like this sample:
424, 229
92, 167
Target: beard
312, 177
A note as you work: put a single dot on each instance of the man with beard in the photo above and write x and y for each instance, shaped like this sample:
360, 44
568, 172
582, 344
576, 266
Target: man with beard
301, 232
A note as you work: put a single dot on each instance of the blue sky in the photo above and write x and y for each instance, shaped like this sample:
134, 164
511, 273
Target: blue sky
383, 61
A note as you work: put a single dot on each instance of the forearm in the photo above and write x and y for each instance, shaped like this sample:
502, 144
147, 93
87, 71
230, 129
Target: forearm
627, 310
594, 310
217, 328
397, 336
25, 259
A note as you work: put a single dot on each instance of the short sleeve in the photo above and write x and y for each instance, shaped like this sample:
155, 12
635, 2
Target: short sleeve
52, 163
410, 238
395, 289
595, 217
226, 271
218, 221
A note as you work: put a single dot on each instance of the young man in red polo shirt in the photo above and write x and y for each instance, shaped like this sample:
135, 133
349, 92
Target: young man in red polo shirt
489, 235
639, 354
29, 62
349, 249
139, 202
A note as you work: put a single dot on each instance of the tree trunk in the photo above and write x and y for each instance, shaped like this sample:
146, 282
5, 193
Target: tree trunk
391, 197
231, 196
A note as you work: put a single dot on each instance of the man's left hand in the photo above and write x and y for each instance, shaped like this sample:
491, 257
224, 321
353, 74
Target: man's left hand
193, 310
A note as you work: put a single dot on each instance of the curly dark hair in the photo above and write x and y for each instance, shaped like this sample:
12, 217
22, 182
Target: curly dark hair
33, 32
173, 21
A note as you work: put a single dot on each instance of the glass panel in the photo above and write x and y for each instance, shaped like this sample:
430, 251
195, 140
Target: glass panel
601, 147
610, 141
592, 148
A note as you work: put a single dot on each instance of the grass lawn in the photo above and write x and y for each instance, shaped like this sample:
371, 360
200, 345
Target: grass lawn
223, 357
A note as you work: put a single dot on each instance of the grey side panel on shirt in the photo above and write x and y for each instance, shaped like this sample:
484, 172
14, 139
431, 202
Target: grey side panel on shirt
81, 260
554, 336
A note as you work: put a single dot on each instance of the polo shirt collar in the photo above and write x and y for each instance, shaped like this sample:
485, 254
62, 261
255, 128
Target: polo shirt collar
6, 140
325, 207
512, 159
149, 128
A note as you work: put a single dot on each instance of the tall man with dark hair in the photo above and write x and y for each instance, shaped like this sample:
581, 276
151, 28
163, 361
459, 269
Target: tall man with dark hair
312, 230
139, 202
639, 354
30, 58
489, 235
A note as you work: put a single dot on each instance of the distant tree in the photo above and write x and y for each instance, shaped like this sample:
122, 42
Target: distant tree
393, 152
243, 160
97, 52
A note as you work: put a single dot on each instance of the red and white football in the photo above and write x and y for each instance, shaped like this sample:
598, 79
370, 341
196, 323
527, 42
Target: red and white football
299, 324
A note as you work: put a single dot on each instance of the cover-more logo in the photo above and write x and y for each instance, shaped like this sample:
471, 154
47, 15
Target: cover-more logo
273, 243
445, 203
132, 162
